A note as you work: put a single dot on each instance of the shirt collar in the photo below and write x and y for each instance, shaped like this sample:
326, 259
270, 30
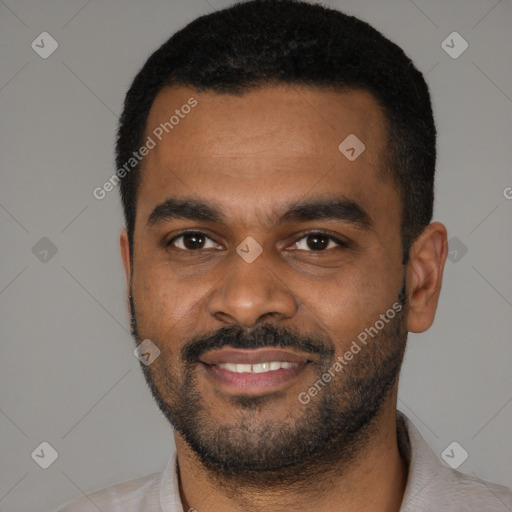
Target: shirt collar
170, 500
424, 466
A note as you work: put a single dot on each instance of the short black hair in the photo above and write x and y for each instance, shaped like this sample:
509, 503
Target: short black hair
265, 42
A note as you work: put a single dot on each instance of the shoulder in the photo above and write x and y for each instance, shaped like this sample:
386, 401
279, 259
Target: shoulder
131, 495
434, 486
470, 493
453, 491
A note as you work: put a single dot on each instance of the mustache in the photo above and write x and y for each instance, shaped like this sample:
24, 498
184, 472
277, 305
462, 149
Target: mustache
267, 335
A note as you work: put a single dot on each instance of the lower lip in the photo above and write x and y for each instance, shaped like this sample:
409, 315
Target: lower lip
252, 382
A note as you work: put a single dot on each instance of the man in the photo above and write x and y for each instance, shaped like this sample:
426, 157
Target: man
276, 162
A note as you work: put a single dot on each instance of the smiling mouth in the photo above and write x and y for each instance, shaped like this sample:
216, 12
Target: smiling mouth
258, 367
252, 371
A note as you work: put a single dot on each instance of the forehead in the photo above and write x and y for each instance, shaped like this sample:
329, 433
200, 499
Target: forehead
300, 120
271, 141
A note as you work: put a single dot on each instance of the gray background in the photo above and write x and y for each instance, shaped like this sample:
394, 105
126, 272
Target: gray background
68, 375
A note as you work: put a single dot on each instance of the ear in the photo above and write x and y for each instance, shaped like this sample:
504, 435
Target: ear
125, 254
424, 276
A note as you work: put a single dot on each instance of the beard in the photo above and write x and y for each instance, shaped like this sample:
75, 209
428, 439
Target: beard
324, 435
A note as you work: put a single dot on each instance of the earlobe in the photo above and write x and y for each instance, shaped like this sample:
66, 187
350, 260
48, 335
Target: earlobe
424, 276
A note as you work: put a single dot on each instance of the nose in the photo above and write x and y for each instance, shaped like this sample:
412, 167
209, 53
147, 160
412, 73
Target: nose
251, 293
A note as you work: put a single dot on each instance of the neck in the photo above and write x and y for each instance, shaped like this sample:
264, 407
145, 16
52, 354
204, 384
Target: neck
373, 480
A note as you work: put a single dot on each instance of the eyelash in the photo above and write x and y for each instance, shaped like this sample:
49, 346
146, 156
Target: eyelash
341, 244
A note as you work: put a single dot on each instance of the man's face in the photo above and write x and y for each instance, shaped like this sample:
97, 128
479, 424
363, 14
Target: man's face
210, 307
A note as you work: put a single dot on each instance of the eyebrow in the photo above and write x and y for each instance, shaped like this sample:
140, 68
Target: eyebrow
339, 209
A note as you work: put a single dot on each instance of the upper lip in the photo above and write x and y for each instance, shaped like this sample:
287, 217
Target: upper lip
252, 356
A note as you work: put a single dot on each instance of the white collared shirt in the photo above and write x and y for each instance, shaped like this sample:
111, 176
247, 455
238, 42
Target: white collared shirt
431, 486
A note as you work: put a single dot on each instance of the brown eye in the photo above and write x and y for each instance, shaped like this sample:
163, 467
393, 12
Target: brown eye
318, 242
191, 241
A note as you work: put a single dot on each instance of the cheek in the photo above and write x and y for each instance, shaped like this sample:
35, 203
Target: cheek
167, 305
352, 300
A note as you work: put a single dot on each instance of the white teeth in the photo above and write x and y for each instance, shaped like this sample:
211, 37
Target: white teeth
228, 366
258, 367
